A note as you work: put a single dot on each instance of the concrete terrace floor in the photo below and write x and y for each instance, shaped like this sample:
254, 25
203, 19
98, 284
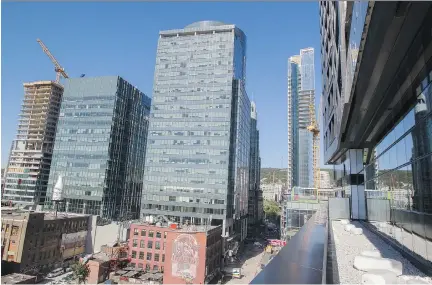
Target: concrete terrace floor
348, 246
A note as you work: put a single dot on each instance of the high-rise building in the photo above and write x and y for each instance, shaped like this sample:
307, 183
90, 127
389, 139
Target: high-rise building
197, 165
30, 155
254, 168
301, 91
100, 147
325, 180
377, 113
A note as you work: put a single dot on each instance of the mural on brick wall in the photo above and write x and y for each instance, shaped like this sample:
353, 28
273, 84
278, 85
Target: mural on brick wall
185, 257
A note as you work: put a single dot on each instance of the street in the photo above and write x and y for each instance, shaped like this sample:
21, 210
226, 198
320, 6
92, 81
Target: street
250, 258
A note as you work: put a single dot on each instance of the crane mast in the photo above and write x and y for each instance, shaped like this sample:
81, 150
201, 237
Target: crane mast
60, 71
314, 129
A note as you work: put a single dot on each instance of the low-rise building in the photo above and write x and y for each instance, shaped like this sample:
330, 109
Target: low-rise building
183, 253
272, 191
99, 266
37, 242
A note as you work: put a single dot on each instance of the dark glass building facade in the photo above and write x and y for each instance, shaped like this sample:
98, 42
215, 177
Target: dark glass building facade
377, 118
100, 147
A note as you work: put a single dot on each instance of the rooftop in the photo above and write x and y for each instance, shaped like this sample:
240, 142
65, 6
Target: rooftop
204, 24
325, 250
14, 211
348, 246
180, 228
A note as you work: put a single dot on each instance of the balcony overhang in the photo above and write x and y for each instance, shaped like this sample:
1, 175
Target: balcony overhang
396, 57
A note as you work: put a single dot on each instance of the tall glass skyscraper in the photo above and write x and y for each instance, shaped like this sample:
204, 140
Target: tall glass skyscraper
301, 90
100, 147
197, 164
254, 170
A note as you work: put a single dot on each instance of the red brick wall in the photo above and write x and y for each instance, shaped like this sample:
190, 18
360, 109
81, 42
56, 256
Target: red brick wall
153, 251
185, 253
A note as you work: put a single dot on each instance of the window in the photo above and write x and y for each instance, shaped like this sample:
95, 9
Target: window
149, 256
141, 255
163, 257
151, 233
164, 245
157, 245
135, 232
140, 265
156, 257
7, 228
133, 254
14, 231
132, 264
158, 234
165, 234
142, 244
150, 244
143, 233
147, 267
155, 267
134, 243
162, 269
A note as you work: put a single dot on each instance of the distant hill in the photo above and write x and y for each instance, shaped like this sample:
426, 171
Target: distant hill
280, 174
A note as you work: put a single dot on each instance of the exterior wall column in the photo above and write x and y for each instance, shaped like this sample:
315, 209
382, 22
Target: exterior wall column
356, 184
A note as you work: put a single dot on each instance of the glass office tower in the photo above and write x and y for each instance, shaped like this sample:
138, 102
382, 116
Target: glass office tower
100, 147
197, 165
301, 91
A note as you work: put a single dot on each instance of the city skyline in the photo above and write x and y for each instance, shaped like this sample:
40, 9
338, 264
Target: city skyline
265, 88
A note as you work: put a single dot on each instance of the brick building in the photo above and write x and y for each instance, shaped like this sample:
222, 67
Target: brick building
164, 247
38, 242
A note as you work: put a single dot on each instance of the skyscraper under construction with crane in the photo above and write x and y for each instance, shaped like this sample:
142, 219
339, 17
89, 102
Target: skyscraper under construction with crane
28, 168
30, 157
301, 96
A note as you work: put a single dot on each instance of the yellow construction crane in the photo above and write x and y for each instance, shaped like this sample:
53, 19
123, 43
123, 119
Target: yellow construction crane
60, 71
314, 129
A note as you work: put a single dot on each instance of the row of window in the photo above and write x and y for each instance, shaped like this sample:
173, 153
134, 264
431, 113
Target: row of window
213, 142
143, 233
148, 257
183, 179
183, 209
182, 189
183, 199
147, 267
190, 133
187, 152
170, 160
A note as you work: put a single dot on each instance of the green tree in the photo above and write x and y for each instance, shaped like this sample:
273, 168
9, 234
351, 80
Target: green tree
80, 271
271, 209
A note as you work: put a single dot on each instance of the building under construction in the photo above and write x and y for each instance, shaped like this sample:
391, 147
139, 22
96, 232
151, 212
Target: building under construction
30, 156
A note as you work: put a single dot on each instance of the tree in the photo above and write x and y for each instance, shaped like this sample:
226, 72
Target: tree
271, 209
80, 271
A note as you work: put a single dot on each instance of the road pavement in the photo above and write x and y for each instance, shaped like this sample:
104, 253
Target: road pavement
250, 257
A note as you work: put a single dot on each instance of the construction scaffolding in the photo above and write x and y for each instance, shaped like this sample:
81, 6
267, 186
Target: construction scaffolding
30, 156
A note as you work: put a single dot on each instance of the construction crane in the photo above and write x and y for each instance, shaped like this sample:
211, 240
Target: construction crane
60, 71
314, 129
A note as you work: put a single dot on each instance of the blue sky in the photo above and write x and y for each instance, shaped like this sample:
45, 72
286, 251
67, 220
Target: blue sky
115, 38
